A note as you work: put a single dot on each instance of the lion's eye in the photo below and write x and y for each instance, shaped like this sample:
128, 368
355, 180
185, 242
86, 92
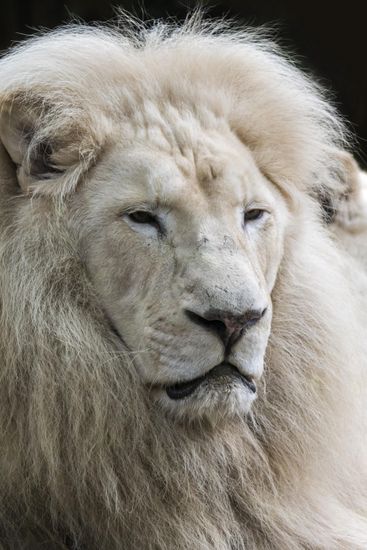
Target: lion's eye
253, 214
143, 217
144, 222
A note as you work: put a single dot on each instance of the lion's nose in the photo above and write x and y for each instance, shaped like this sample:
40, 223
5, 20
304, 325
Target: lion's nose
226, 325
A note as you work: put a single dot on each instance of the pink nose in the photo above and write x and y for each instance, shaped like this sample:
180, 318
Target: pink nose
228, 326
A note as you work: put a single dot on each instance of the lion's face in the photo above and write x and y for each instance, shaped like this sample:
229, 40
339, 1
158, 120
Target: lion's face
183, 250
180, 230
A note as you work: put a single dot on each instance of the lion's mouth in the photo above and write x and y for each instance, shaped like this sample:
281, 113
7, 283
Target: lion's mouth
224, 371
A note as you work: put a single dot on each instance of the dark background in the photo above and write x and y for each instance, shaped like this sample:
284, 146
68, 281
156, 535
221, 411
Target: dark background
329, 38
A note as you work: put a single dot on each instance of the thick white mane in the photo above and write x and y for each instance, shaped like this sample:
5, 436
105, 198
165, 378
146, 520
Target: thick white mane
85, 459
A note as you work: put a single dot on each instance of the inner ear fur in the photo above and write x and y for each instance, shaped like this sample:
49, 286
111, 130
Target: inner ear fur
340, 187
50, 145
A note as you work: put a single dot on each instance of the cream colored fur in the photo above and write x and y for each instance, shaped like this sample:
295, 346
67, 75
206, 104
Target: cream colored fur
350, 221
89, 458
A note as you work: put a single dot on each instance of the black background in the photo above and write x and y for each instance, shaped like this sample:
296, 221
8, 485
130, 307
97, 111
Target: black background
330, 39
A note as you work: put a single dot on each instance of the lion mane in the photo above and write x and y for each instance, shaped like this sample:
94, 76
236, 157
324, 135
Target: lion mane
86, 460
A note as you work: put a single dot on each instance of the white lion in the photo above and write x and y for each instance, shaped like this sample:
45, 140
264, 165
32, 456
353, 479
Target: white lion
183, 343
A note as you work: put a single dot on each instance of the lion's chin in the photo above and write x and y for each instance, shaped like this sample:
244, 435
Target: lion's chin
222, 392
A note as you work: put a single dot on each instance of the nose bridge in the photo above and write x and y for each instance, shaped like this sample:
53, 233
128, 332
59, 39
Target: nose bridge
222, 278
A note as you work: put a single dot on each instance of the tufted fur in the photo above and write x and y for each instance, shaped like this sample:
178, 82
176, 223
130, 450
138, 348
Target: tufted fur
87, 460
349, 210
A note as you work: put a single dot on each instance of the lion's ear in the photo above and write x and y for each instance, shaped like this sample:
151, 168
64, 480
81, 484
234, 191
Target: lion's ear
32, 161
51, 146
339, 186
350, 206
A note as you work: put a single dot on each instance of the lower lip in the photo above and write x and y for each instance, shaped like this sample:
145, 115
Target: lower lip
185, 389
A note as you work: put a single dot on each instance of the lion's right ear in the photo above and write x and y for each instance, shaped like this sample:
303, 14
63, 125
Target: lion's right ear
50, 145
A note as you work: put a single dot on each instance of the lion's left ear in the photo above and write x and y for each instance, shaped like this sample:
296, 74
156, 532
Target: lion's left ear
51, 146
336, 192
350, 207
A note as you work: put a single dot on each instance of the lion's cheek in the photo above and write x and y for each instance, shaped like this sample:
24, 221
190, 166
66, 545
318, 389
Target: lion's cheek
269, 256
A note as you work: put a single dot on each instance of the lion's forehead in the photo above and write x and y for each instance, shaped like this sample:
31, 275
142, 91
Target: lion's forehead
178, 118
175, 157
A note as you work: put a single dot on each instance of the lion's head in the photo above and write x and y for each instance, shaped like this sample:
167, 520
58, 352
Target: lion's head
180, 219
183, 245
159, 248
